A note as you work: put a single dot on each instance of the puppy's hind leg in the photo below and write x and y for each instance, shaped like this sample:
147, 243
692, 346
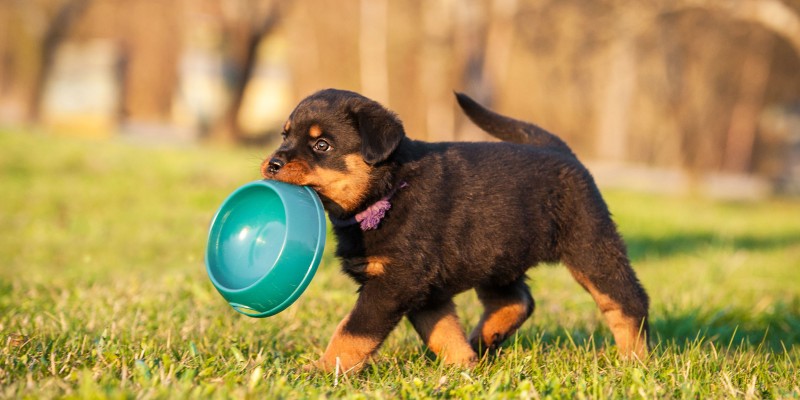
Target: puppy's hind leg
604, 271
505, 309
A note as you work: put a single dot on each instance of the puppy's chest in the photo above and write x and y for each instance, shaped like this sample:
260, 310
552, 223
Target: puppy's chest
363, 269
362, 258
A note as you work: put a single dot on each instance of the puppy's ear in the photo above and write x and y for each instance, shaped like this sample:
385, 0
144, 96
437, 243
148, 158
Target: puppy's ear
380, 129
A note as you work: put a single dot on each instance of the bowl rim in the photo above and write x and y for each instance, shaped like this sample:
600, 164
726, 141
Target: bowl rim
226, 291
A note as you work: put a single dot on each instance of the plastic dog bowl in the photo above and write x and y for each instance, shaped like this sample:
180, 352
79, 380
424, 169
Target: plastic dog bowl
264, 245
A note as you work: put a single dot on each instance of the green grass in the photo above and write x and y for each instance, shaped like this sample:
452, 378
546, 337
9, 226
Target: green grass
103, 293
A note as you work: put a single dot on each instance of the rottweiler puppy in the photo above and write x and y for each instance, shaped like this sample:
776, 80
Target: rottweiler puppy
418, 223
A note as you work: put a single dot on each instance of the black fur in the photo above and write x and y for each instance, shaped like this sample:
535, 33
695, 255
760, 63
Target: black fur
474, 215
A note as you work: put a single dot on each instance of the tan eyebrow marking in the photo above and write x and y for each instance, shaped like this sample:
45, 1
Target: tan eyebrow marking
315, 131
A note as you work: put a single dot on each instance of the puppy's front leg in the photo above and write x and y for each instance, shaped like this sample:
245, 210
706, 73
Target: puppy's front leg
360, 334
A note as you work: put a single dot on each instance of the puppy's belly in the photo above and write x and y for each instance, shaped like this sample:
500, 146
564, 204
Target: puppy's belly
458, 277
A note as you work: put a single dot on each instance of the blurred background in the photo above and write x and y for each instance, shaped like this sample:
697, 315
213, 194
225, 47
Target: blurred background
658, 95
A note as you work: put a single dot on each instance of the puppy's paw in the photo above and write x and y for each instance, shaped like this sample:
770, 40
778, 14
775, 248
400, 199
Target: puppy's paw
310, 367
486, 345
320, 366
460, 355
468, 362
337, 365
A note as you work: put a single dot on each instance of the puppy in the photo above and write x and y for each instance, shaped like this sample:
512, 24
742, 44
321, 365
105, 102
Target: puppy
418, 223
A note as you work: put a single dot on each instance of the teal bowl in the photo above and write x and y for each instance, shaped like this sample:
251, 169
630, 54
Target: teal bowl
264, 245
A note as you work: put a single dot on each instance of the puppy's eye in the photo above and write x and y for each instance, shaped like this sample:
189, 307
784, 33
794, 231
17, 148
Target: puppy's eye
322, 145
284, 134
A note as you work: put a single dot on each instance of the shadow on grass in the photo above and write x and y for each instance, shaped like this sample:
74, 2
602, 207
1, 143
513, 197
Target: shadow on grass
775, 330
642, 246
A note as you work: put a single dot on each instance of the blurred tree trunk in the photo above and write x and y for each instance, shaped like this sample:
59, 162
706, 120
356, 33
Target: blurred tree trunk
373, 49
436, 69
484, 35
5, 49
677, 100
745, 114
620, 82
242, 33
149, 54
57, 30
499, 41
304, 59
470, 48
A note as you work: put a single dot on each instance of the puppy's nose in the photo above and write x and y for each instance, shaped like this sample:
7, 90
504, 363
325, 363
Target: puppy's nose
274, 165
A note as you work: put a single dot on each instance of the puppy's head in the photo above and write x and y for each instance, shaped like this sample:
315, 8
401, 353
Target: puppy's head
335, 142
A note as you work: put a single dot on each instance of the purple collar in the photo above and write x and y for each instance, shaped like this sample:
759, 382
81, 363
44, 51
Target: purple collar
370, 218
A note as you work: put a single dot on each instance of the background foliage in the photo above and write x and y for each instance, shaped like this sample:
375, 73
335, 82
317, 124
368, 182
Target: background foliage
706, 86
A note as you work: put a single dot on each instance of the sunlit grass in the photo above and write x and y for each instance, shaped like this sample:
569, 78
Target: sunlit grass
103, 293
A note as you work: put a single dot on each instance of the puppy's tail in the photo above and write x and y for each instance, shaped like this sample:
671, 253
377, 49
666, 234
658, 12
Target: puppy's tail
509, 129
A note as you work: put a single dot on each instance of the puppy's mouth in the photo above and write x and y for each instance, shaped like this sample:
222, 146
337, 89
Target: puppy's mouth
345, 189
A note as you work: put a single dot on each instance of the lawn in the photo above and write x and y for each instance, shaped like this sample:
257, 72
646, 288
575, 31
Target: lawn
103, 293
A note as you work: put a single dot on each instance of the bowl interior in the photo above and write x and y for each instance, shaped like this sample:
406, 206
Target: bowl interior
248, 237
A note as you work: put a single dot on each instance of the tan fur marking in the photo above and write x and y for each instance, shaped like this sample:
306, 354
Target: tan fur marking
352, 351
442, 333
498, 321
376, 266
371, 266
294, 172
625, 328
287, 125
315, 131
347, 189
